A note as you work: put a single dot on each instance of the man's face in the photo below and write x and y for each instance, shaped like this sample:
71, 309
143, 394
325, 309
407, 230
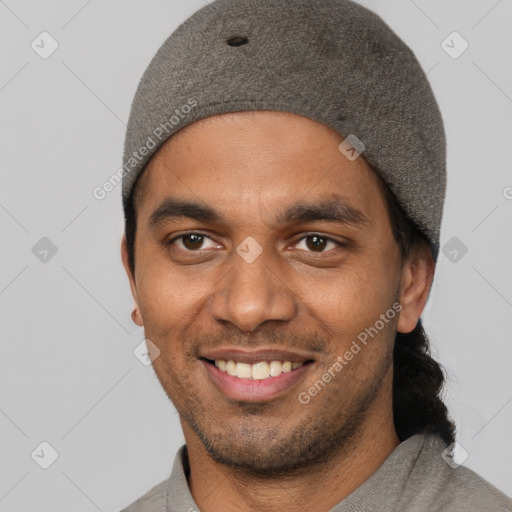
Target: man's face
317, 284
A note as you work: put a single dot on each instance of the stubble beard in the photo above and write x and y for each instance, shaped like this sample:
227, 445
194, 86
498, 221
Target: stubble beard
283, 449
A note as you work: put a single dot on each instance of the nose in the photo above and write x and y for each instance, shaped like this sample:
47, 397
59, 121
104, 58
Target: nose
251, 294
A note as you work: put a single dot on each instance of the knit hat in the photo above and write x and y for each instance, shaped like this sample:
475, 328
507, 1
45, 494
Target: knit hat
332, 61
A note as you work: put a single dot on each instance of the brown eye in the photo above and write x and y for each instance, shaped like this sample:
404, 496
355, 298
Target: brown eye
193, 241
316, 243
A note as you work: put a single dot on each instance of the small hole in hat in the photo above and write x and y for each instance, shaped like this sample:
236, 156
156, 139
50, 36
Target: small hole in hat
237, 41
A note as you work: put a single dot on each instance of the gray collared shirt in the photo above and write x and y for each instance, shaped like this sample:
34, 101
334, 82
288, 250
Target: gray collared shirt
414, 478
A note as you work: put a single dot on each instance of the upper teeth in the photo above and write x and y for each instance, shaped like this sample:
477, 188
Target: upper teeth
261, 370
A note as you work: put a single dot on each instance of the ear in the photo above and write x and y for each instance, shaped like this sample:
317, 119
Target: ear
416, 281
136, 315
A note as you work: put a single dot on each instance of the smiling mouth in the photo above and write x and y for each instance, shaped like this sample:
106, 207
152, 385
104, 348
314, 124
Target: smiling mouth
258, 371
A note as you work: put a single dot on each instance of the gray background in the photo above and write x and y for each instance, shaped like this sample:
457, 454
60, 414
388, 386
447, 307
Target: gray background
68, 373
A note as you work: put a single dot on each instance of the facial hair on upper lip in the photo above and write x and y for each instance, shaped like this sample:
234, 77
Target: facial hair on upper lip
314, 342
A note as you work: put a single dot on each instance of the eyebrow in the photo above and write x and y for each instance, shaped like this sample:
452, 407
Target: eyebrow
334, 209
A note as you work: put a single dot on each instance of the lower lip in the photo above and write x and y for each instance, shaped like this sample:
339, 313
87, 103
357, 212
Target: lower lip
255, 390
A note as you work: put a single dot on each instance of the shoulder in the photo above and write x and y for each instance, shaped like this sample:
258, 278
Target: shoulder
153, 501
452, 488
171, 494
468, 489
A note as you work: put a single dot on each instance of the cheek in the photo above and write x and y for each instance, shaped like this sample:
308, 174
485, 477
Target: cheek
168, 298
352, 298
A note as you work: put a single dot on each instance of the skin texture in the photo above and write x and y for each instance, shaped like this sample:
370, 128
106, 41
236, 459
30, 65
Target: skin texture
316, 298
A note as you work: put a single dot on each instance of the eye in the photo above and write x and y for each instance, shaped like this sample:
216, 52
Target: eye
191, 241
315, 242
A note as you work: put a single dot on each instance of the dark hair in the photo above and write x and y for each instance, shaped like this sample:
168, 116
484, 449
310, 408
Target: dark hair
417, 378
130, 227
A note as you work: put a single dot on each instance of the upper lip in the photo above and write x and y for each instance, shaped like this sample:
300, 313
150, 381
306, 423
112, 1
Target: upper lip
255, 356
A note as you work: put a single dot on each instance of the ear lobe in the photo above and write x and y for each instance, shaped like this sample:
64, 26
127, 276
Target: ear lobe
417, 277
136, 314
137, 317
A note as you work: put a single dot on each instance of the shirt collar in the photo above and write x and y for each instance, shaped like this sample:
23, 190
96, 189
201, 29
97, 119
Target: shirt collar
178, 492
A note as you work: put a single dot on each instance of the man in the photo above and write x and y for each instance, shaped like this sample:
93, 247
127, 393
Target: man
283, 193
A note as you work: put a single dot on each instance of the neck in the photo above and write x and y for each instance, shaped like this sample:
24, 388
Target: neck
218, 487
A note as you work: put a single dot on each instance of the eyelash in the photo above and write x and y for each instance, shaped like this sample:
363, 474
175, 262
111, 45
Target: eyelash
307, 235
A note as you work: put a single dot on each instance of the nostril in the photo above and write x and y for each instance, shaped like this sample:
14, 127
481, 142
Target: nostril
237, 40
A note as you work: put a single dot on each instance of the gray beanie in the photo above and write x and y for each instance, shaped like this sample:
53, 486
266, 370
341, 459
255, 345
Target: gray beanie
332, 61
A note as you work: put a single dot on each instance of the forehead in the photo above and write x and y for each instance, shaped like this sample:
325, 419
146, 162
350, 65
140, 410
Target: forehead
255, 161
